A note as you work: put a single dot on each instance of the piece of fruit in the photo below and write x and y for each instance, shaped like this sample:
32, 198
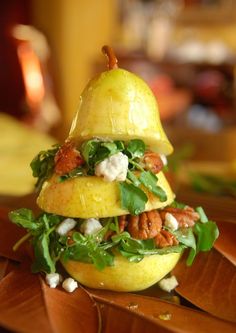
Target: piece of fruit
91, 196
124, 275
118, 105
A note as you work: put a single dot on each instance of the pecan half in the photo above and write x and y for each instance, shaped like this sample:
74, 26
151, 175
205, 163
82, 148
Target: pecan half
186, 217
164, 238
122, 220
144, 226
152, 162
67, 158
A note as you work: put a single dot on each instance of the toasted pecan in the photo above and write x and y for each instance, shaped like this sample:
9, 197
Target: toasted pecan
122, 220
67, 158
164, 238
152, 161
144, 226
186, 217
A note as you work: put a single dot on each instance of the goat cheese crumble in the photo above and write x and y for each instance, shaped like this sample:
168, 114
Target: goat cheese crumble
113, 168
171, 222
65, 226
168, 284
90, 226
69, 285
53, 279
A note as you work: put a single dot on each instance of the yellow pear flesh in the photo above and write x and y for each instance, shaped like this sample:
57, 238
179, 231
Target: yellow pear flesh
91, 196
120, 106
124, 275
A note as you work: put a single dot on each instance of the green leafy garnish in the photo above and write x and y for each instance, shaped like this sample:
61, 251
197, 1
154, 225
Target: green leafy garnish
77, 172
149, 180
96, 249
43, 261
130, 192
95, 151
87, 249
206, 234
199, 238
132, 198
24, 217
133, 178
135, 148
43, 165
89, 149
176, 204
203, 217
40, 229
164, 250
186, 237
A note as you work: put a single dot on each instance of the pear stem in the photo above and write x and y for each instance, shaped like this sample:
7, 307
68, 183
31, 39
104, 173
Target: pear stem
112, 60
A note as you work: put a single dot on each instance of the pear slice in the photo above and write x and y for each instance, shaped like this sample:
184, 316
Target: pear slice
91, 196
124, 275
120, 106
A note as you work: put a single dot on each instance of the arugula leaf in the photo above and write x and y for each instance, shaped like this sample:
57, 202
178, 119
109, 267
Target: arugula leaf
86, 249
186, 236
133, 178
149, 180
114, 226
206, 234
111, 147
120, 145
79, 252
78, 237
105, 150
176, 204
89, 149
136, 148
203, 217
131, 245
24, 217
164, 250
95, 151
132, 198
43, 165
43, 261
57, 245
131, 256
122, 236
102, 258
77, 172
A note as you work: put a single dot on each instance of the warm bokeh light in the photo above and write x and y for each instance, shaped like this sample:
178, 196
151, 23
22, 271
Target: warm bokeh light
32, 74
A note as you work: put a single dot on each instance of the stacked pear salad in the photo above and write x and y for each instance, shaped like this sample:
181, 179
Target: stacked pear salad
109, 215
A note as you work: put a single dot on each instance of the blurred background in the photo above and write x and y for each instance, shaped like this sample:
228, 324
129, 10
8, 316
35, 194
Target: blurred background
184, 49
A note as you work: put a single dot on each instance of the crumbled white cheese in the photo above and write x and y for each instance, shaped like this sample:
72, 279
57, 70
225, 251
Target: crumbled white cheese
65, 226
90, 226
171, 222
69, 285
113, 168
53, 279
164, 159
168, 284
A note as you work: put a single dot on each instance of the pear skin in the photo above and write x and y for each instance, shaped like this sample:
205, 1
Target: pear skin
120, 106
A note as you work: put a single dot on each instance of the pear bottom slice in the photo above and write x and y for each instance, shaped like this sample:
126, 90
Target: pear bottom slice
124, 275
